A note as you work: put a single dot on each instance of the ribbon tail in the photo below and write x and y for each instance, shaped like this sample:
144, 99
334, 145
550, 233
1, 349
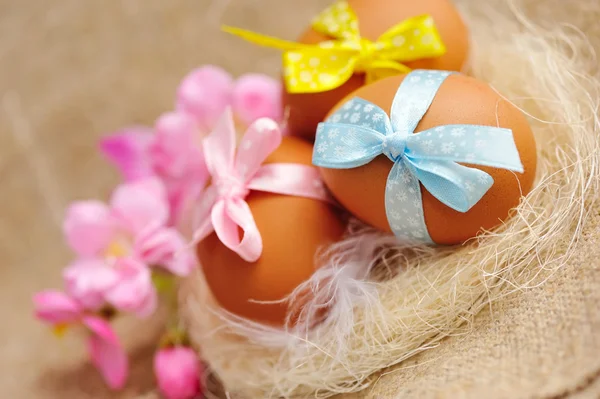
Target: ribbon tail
343, 146
202, 231
336, 66
262, 40
379, 69
262, 137
291, 179
456, 186
201, 223
472, 144
364, 113
413, 98
228, 217
338, 21
404, 205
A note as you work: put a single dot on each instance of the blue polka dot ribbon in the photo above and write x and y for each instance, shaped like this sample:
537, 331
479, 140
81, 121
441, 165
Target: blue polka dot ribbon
360, 131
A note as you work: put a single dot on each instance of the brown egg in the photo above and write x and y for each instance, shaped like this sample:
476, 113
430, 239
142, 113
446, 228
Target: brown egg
376, 17
292, 229
460, 100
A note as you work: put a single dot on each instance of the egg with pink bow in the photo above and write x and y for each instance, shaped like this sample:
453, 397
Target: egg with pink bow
262, 220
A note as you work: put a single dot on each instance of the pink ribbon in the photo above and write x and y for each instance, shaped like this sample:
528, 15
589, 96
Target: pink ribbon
223, 208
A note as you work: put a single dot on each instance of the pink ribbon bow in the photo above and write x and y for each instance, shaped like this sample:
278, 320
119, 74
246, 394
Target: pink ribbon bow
223, 208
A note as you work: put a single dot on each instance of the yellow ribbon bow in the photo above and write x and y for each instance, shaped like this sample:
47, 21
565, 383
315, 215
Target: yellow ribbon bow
327, 65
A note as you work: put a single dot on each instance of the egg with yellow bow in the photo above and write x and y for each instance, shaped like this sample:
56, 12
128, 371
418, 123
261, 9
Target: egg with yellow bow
393, 36
355, 42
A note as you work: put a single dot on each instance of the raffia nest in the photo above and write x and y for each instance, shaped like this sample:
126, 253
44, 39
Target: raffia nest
391, 302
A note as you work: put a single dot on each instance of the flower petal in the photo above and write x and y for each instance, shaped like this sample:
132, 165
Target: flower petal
56, 307
181, 263
128, 150
176, 150
140, 204
88, 280
166, 248
257, 96
204, 94
134, 291
177, 372
88, 227
106, 352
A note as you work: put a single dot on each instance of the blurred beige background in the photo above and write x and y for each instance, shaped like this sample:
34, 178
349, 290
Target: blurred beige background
71, 71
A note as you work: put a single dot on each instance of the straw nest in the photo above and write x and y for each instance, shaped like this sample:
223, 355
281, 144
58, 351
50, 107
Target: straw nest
391, 302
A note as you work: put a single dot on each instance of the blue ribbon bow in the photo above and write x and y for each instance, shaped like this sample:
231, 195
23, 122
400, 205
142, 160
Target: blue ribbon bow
360, 131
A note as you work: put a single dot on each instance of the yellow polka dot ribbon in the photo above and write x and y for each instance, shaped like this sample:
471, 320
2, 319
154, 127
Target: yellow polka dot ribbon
327, 65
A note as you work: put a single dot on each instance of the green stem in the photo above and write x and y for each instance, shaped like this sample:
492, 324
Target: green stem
166, 286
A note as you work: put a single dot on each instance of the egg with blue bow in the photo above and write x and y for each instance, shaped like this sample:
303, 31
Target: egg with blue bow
434, 157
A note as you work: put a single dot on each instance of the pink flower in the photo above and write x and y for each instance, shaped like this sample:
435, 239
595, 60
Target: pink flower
126, 284
171, 154
128, 150
117, 243
88, 281
206, 92
104, 346
175, 151
177, 371
172, 150
138, 205
88, 227
165, 247
177, 158
256, 96
56, 308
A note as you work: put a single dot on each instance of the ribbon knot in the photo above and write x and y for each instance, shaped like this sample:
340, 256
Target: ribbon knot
222, 207
230, 187
367, 53
360, 131
394, 145
327, 65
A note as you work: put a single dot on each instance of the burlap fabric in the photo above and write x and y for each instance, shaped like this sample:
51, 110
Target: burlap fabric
542, 343
73, 70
